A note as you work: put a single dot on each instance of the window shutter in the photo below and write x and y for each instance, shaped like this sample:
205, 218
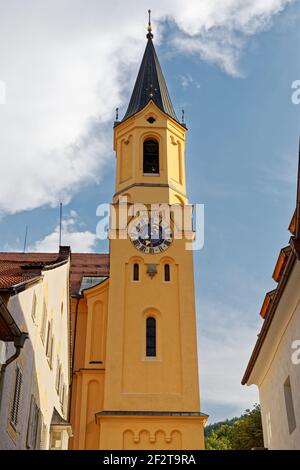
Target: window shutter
57, 375
51, 351
44, 322
43, 435
30, 424
34, 302
14, 414
48, 340
65, 401
61, 391
38, 429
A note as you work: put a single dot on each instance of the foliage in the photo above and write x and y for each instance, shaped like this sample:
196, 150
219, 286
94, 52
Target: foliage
242, 433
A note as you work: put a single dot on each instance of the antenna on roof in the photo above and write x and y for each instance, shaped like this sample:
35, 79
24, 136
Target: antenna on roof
60, 223
25, 239
182, 116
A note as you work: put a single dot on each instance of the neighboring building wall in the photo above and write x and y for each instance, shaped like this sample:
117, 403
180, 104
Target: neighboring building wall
89, 365
48, 328
279, 432
277, 375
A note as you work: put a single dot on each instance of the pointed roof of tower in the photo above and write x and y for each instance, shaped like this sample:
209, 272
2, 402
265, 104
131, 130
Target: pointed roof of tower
150, 83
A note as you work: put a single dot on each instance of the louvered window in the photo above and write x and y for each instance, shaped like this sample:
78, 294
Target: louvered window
61, 389
15, 407
33, 438
48, 340
51, 351
43, 435
49, 343
151, 157
44, 323
58, 372
34, 305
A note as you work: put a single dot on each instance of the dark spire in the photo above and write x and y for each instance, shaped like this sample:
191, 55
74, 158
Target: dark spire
150, 83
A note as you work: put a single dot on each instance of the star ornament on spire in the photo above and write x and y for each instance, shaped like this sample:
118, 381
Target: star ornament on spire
151, 90
149, 29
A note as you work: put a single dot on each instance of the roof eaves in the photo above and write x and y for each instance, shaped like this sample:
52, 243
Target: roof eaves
9, 321
21, 286
269, 318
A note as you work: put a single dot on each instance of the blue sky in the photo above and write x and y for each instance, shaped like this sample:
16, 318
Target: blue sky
241, 154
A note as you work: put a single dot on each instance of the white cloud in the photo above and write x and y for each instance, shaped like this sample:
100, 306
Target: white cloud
67, 65
79, 241
187, 80
226, 339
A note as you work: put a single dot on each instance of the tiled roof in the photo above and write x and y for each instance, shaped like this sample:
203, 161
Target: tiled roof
87, 264
11, 271
16, 268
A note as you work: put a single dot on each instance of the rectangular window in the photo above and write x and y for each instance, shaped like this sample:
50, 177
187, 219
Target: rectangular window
34, 305
136, 272
62, 398
51, 350
150, 337
44, 322
65, 401
15, 407
43, 435
48, 340
33, 438
61, 389
167, 273
58, 372
289, 404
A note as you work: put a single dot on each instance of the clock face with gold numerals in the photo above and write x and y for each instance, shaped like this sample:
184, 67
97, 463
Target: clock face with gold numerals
150, 234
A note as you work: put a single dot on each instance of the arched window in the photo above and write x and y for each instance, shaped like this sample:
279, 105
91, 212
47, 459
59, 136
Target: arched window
150, 337
167, 273
136, 272
151, 157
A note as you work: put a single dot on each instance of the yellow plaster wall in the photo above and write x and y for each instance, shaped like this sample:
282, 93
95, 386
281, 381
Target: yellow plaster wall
117, 375
151, 433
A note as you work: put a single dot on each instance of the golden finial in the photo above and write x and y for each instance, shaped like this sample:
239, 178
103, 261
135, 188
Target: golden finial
149, 29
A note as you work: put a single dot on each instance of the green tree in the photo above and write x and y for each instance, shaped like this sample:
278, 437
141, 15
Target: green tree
241, 433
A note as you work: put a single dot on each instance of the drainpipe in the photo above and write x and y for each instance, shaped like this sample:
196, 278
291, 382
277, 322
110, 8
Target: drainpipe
18, 343
73, 357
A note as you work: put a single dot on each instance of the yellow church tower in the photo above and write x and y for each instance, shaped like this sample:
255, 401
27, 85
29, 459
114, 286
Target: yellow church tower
148, 388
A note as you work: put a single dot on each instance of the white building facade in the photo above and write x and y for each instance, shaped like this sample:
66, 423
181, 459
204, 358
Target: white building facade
35, 386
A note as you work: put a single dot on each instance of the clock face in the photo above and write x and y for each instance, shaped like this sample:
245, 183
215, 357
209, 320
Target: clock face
150, 235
